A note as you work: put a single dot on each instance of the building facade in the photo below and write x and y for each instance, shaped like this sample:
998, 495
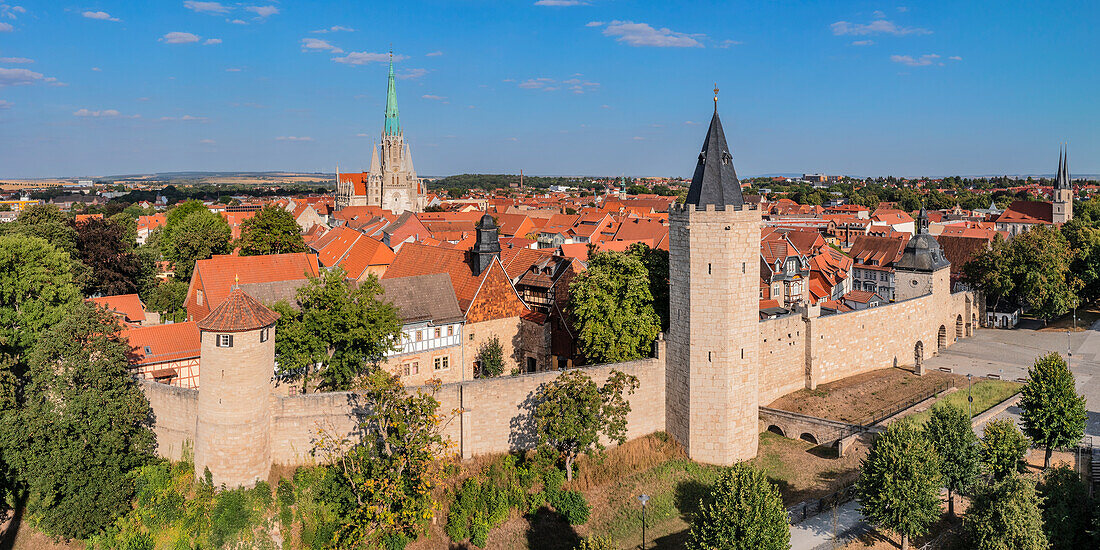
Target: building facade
391, 182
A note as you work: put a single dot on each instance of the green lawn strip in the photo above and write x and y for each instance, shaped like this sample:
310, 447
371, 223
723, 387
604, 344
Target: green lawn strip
987, 393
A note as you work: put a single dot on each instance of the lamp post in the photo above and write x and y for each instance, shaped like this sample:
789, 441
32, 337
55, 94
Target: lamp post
643, 499
969, 398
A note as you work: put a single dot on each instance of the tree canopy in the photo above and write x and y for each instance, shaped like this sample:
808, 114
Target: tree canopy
900, 481
612, 308
952, 436
1054, 415
490, 358
744, 511
1032, 269
1065, 505
83, 426
1003, 448
1005, 514
105, 247
573, 412
191, 235
271, 231
337, 333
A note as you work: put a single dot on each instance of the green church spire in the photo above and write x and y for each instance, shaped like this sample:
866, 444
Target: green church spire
393, 122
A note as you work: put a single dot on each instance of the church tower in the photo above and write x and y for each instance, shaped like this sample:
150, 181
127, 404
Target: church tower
714, 336
1063, 191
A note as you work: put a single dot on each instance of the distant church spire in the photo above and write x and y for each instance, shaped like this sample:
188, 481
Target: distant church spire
715, 180
393, 122
1061, 180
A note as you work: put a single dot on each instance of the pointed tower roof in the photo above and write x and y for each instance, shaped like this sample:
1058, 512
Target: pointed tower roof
239, 312
375, 166
393, 121
715, 180
1061, 181
409, 160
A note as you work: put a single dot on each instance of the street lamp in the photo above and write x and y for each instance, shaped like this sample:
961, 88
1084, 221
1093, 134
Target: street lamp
969, 398
643, 499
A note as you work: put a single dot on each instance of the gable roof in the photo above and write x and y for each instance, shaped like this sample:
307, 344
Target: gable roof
166, 343
129, 306
218, 274
421, 298
874, 250
1034, 212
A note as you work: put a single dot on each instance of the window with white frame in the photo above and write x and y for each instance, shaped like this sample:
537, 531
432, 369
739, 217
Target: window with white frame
264, 334
224, 340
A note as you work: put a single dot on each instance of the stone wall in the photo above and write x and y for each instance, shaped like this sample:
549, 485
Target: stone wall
298, 419
782, 357
174, 412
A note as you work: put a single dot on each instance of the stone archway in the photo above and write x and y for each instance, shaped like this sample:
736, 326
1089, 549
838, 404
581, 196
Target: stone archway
960, 331
776, 430
808, 438
973, 324
918, 357
941, 339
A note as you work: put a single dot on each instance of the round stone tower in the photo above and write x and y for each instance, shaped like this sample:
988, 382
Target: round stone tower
232, 435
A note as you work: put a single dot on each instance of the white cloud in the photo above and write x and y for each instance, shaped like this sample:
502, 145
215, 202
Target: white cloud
16, 60
605, 106
97, 69
186, 118
318, 45
106, 113
205, 7
361, 135
560, 3
100, 15
143, 99
594, 24
294, 138
690, 122
433, 97
534, 83
212, 41
8, 11
262, 11
878, 14
579, 86
641, 34
434, 54
363, 58
878, 26
903, 9
513, 139
233, 70
863, 42
6, 27
179, 38
207, 141
239, 22
5, 104
408, 74
955, 58
727, 43
19, 77
922, 61
334, 28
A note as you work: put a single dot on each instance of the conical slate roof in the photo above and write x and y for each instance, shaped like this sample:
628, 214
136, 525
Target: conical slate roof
715, 180
922, 252
238, 313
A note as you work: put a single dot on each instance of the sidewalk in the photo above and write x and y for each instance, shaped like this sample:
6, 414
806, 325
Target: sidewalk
817, 533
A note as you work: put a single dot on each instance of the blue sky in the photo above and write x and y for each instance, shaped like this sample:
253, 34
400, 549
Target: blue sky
551, 87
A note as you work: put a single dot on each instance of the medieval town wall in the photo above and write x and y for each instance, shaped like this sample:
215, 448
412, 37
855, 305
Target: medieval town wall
782, 357
175, 410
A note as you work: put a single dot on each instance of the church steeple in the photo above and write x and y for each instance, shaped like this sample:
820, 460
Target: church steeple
393, 122
1061, 180
715, 180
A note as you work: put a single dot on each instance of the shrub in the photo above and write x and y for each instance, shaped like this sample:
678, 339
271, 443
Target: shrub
572, 506
596, 542
479, 530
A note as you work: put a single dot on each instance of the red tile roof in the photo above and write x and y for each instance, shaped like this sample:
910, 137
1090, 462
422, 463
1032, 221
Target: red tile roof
129, 306
1033, 212
239, 312
166, 343
215, 276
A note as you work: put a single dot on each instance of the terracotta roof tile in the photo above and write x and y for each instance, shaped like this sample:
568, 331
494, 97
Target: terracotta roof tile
129, 306
237, 313
165, 343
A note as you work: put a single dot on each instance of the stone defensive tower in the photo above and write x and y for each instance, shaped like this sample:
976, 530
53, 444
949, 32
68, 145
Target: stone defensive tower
232, 432
712, 396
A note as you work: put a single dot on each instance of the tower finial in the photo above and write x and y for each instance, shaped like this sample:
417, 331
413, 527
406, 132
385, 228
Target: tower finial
715, 96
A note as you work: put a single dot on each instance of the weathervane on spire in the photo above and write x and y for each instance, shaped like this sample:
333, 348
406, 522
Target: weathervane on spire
715, 96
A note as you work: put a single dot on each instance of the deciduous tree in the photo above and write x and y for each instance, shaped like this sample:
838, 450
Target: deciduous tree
271, 231
338, 332
490, 358
196, 237
48, 222
383, 491
612, 308
573, 412
83, 427
900, 481
952, 436
656, 264
743, 511
1003, 448
1005, 514
1054, 414
1065, 504
103, 246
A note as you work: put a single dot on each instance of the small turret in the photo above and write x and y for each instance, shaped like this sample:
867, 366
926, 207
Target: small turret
486, 245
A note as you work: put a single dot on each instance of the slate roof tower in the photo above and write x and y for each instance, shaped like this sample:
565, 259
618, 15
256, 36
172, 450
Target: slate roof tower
1063, 191
712, 371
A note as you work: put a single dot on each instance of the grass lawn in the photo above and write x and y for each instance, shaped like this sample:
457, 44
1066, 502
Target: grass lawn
987, 393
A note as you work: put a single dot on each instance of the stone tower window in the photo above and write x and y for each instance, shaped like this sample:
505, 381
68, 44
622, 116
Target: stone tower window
264, 334
225, 340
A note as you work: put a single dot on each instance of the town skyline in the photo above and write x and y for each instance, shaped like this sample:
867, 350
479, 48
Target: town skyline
910, 91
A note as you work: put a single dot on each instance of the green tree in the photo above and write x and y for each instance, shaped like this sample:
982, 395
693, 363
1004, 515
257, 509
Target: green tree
271, 231
338, 331
36, 288
129, 227
104, 246
990, 270
1005, 515
196, 237
1065, 505
573, 412
384, 480
952, 436
490, 358
1042, 265
656, 265
48, 222
612, 308
1083, 236
167, 298
83, 427
900, 480
1053, 414
1003, 448
744, 511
